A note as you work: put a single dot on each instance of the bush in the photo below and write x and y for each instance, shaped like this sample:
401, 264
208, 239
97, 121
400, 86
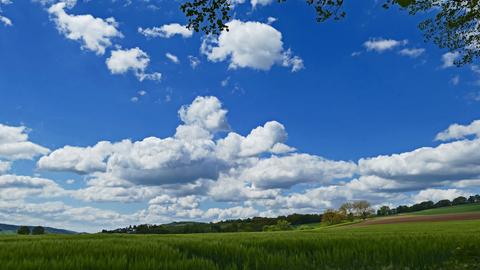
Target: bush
459, 200
23, 230
38, 230
384, 211
282, 225
442, 203
332, 217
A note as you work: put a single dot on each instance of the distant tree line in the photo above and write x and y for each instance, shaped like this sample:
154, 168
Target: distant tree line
256, 224
387, 211
25, 230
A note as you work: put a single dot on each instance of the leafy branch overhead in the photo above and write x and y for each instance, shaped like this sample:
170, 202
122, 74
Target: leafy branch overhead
209, 16
452, 24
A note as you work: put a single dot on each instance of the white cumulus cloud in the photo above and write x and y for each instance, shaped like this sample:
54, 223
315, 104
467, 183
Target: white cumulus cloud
448, 59
447, 162
193, 155
412, 52
436, 195
250, 44
380, 44
260, 2
6, 21
172, 58
166, 31
284, 172
14, 144
96, 34
121, 61
456, 131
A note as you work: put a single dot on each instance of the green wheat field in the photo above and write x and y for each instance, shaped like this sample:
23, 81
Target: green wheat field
432, 245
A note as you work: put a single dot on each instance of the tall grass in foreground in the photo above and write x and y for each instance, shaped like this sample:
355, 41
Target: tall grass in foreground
446, 245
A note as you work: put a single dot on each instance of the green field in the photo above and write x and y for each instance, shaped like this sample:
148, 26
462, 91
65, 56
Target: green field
440, 245
475, 207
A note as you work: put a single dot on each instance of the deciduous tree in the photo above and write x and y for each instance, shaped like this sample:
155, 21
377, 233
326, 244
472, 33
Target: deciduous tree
23, 230
38, 230
362, 209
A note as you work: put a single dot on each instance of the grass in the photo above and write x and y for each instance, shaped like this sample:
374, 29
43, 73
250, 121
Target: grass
442, 245
450, 210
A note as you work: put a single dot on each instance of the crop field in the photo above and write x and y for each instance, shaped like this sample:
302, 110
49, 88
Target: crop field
466, 208
422, 218
439, 245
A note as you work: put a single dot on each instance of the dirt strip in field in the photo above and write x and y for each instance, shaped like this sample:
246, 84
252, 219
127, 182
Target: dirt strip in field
432, 218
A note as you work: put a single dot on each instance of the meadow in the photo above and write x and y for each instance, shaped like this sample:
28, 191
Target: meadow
438, 245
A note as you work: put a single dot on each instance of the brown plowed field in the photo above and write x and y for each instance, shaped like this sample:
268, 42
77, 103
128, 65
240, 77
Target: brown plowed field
430, 218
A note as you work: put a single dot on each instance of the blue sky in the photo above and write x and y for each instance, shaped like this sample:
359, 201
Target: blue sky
349, 94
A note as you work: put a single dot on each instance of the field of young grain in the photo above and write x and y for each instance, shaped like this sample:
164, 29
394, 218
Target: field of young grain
439, 245
464, 208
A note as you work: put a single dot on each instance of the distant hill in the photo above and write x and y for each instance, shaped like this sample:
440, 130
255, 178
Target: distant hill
12, 229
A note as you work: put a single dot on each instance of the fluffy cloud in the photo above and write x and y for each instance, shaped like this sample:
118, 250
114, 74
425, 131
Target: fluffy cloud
80, 160
68, 3
192, 155
284, 172
176, 207
230, 188
15, 187
436, 195
60, 215
446, 162
205, 112
172, 58
267, 138
413, 52
6, 21
152, 161
5, 166
457, 131
448, 59
187, 202
96, 193
380, 44
164, 206
166, 31
271, 20
260, 2
468, 183
194, 61
14, 144
185, 157
135, 60
94, 33
230, 213
295, 62
155, 161
122, 61
250, 44
373, 183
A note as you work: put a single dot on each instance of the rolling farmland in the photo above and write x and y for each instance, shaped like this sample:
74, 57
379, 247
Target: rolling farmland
423, 245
